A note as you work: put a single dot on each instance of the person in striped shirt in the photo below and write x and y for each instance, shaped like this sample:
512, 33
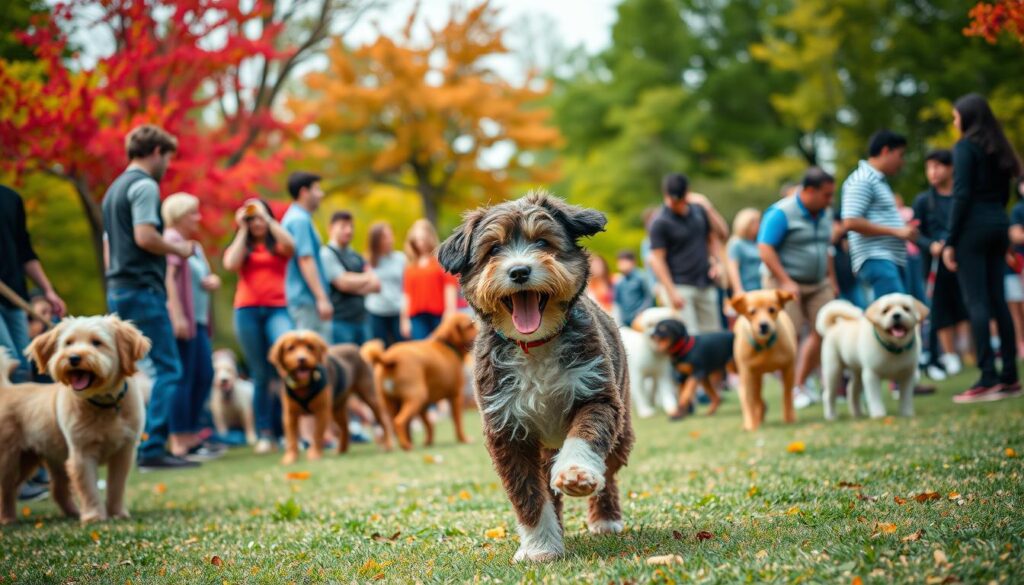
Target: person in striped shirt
878, 234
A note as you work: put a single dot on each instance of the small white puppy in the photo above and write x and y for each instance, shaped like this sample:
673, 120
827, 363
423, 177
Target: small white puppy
880, 343
650, 371
231, 397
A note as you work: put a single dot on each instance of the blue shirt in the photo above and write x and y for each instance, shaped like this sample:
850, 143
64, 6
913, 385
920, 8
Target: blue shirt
748, 258
801, 239
632, 295
299, 224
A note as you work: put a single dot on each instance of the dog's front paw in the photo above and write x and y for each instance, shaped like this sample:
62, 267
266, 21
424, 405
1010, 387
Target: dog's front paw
121, 514
577, 481
605, 526
578, 470
91, 517
289, 458
314, 455
536, 555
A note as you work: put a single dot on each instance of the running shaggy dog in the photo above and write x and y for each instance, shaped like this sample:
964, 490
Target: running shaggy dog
551, 375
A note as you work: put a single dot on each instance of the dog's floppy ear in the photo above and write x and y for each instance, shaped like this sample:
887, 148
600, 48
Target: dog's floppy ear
42, 347
921, 309
274, 354
739, 304
874, 313
579, 222
132, 345
784, 296
455, 253
319, 346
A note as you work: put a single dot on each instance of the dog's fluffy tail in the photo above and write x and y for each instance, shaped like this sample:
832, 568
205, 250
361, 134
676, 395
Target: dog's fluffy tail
836, 311
7, 365
374, 353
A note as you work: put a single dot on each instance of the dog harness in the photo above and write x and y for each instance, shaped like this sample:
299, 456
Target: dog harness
758, 347
682, 347
319, 381
894, 349
116, 404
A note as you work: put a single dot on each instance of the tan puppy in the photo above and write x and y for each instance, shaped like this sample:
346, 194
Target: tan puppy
412, 375
92, 416
318, 380
765, 343
231, 397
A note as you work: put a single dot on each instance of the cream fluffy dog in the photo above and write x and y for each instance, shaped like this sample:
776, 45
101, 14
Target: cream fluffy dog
880, 343
231, 397
93, 415
650, 371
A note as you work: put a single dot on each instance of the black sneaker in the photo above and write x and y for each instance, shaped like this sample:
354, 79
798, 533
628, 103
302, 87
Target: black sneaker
33, 492
1011, 390
165, 462
206, 451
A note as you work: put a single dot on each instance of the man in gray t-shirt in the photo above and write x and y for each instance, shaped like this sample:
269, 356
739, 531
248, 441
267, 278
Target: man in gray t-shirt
135, 252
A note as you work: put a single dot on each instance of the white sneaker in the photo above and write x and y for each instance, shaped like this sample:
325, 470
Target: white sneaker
264, 446
802, 398
935, 373
951, 363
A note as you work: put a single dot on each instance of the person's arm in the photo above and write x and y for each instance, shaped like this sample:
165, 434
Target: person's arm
34, 270
235, 253
856, 201
451, 297
830, 270
404, 319
732, 267
310, 274
716, 266
174, 307
285, 243
716, 223
922, 214
211, 281
150, 240
30, 261
963, 185
1017, 234
770, 258
660, 268
356, 283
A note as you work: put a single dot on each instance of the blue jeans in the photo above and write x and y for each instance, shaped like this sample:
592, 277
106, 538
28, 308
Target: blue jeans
913, 277
197, 377
423, 325
257, 328
14, 336
387, 329
882, 276
147, 309
348, 331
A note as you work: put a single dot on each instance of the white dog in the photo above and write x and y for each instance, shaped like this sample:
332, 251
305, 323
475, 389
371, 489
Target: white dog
650, 371
883, 342
231, 397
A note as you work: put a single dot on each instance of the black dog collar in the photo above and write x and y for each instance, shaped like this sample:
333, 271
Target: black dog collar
115, 404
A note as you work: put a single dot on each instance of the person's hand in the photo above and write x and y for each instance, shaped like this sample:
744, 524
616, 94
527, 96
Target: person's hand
908, 233
324, 308
59, 308
675, 299
180, 326
210, 282
186, 249
405, 328
698, 199
240, 218
791, 287
949, 258
936, 249
374, 281
714, 269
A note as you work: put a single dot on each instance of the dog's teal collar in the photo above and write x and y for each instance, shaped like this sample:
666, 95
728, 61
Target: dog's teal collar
894, 349
767, 344
115, 404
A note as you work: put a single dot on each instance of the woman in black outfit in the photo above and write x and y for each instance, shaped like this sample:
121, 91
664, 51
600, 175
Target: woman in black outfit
984, 167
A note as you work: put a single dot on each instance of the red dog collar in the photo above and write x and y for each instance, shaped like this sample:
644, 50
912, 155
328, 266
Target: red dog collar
682, 347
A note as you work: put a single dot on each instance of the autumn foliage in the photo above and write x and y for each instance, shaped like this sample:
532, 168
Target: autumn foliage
64, 119
989, 20
424, 115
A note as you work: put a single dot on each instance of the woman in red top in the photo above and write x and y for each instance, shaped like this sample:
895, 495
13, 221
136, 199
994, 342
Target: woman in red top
430, 292
599, 287
259, 254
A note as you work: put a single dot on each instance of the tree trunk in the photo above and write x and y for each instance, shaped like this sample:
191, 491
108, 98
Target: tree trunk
94, 215
429, 196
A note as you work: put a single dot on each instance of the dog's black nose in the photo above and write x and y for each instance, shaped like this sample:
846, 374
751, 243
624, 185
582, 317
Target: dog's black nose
519, 274
74, 360
764, 328
896, 318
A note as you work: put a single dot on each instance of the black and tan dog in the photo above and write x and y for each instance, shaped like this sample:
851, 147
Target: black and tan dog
550, 371
702, 359
318, 381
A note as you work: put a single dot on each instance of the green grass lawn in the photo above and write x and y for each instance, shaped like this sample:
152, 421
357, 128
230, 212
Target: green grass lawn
842, 509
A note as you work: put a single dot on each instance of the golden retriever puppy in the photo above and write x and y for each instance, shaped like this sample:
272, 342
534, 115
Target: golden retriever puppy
93, 415
318, 380
412, 375
765, 342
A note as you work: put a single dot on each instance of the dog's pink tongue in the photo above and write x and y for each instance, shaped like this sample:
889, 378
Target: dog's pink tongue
898, 332
80, 380
526, 312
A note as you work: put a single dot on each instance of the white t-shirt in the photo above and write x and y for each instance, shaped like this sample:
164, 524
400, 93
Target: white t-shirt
388, 302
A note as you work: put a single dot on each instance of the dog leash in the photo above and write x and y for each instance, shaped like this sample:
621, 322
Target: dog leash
767, 344
894, 349
116, 404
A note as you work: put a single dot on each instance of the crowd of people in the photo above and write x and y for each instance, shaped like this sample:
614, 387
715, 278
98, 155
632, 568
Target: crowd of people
954, 247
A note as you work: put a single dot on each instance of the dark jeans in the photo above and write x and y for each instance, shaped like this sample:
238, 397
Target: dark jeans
913, 280
981, 261
257, 329
423, 325
14, 336
883, 276
197, 377
387, 329
343, 331
147, 309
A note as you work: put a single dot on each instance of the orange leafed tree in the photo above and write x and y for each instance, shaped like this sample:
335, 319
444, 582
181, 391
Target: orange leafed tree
990, 19
431, 116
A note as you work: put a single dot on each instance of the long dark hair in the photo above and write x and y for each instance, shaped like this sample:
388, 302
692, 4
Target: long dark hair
268, 240
979, 125
376, 239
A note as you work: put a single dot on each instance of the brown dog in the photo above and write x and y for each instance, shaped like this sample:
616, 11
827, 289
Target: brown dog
412, 375
318, 380
92, 416
765, 342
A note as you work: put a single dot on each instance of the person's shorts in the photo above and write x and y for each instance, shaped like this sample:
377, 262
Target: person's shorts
804, 311
1014, 289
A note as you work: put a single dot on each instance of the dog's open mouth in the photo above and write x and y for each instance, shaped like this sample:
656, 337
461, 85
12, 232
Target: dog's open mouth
897, 331
80, 379
302, 375
527, 308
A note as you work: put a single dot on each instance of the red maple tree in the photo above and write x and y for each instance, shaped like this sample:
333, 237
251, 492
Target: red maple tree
208, 71
990, 19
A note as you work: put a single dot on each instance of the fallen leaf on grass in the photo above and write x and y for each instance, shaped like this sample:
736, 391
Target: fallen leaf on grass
899, 500
433, 459
191, 540
752, 491
298, 475
95, 536
39, 524
216, 561
913, 537
796, 447
857, 581
495, 533
793, 511
761, 554
465, 496
1010, 452
26, 511
694, 434
850, 485
677, 535
665, 560
704, 535
378, 538
927, 497
940, 557
883, 528
864, 498
160, 489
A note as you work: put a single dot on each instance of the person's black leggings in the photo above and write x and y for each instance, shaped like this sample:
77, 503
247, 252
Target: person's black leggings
981, 260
